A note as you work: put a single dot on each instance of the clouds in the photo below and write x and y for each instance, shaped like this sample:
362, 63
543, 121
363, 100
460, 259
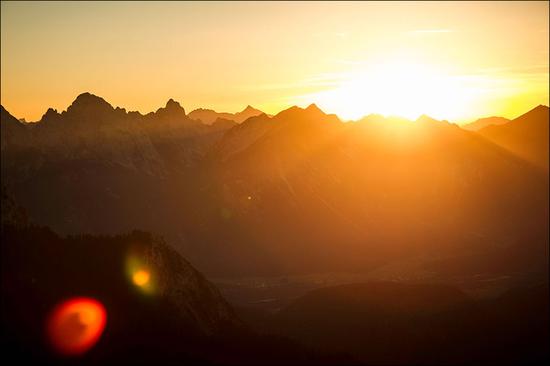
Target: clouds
429, 31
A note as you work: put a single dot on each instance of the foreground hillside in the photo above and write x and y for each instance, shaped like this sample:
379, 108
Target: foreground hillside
178, 318
390, 323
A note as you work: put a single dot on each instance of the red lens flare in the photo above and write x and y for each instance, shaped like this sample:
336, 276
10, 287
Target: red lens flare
75, 325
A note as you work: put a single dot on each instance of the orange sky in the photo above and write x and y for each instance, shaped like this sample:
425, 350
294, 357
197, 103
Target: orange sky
455, 61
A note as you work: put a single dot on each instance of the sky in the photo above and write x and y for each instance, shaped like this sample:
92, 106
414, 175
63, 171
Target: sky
455, 61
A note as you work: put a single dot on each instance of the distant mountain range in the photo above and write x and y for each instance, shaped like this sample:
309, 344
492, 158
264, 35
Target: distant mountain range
208, 116
252, 197
484, 122
91, 128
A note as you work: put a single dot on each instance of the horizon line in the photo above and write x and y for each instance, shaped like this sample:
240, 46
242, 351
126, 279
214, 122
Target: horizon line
271, 115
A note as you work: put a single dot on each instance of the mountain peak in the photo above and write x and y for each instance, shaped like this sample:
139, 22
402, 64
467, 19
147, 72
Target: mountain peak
426, 119
539, 112
87, 101
6, 116
49, 115
87, 97
202, 110
4, 110
540, 108
310, 116
172, 108
313, 108
373, 117
293, 109
485, 122
171, 103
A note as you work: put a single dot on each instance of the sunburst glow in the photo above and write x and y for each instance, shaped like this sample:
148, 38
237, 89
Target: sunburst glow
403, 88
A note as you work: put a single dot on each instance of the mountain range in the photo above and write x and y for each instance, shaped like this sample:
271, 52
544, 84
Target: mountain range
484, 122
252, 197
445, 212
526, 136
209, 116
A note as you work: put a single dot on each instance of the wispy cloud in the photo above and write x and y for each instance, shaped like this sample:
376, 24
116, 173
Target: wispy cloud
523, 70
324, 80
351, 62
333, 34
342, 34
430, 31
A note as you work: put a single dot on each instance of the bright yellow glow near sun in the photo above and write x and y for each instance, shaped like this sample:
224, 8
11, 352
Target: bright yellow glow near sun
402, 88
453, 60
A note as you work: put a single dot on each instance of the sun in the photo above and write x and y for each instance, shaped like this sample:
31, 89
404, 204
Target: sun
398, 87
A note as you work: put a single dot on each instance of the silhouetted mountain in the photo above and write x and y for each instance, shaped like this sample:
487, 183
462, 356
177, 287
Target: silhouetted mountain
208, 116
396, 323
299, 192
240, 137
222, 124
344, 192
252, 198
526, 136
12, 130
89, 105
484, 122
246, 113
92, 128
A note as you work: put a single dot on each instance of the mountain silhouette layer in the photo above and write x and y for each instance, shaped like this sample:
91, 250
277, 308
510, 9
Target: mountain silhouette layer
525, 136
449, 226
209, 116
484, 122
251, 198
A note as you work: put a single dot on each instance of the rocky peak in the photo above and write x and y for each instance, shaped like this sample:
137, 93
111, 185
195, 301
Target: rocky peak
426, 119
540, 111
50, 115
89, 103
313, 108
173, 105
172, 109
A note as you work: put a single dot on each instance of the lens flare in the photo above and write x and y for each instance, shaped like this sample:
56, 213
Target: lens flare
141, 277
75, 325
140, 274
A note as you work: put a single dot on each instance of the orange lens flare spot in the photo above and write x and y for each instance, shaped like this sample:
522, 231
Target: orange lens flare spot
141, 277
76, 325
139, 272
